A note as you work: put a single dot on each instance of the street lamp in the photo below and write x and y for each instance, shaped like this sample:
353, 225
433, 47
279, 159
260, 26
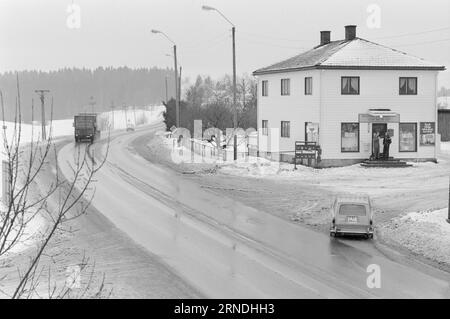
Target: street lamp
177, 100
233, 31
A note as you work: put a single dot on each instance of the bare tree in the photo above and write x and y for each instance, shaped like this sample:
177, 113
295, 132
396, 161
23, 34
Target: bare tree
60, 202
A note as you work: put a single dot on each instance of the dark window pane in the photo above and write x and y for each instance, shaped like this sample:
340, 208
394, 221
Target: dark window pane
345, 85
412, 86
355, 86
403, 86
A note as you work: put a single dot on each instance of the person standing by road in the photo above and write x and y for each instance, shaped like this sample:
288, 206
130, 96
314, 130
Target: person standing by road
386, 143
376, 146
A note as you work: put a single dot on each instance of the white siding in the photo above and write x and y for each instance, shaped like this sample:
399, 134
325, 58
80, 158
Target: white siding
378, 89
297, 108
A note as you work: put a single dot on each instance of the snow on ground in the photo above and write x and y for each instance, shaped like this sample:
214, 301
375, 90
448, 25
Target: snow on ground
395, 192
425, 233
30, 234
354, 178
63, 128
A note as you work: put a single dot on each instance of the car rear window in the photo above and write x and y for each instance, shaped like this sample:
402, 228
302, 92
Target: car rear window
352, 210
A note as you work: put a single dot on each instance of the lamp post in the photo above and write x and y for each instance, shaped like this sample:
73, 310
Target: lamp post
177, 100
233, 33
448, 219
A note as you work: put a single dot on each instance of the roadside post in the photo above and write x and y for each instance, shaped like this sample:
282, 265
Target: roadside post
448, 217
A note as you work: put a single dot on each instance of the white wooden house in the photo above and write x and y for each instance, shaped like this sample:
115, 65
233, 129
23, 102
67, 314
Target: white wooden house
341, 92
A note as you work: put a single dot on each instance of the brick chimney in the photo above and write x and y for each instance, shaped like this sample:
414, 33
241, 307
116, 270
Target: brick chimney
325, 37
350, 32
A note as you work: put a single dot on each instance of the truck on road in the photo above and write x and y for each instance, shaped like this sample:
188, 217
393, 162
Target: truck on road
86, 128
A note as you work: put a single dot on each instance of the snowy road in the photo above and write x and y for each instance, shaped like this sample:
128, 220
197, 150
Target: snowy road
228, 250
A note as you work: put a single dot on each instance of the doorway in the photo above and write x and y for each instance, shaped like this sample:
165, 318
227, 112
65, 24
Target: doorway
381, 129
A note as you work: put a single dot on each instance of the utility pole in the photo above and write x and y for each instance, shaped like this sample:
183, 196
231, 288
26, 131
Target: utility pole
41, 94
167, 94
177, 93
177, 100
179, 84
92, 103
233, 30
448, 219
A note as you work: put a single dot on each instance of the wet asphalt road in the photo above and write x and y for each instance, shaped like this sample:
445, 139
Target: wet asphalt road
228, 250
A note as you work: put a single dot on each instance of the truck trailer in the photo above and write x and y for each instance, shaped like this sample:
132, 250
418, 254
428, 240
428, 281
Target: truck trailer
86, 128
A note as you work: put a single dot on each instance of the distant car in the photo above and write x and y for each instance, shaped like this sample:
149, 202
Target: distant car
352, 215
130, 128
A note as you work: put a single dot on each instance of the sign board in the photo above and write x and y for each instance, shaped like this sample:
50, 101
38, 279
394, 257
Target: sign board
368, 118
427, 133
306, 150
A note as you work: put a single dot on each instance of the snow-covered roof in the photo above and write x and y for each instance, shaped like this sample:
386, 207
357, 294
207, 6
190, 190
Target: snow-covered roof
352, 54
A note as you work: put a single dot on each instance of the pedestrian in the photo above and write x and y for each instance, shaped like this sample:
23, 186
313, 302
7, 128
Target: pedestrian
386, 143
376, 146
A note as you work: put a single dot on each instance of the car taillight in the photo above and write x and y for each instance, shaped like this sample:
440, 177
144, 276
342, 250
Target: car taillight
371, 222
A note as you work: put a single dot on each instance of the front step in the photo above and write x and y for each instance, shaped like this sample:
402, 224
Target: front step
390, 163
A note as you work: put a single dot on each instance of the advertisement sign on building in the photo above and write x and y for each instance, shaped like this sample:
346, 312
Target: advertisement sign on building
427, 133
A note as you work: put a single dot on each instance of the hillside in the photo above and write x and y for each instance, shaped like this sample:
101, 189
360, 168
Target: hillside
72, 89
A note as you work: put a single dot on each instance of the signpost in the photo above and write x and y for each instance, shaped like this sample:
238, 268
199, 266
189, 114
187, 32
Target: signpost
306, 150
448, 219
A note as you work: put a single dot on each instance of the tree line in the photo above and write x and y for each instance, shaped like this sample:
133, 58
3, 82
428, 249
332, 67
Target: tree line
77, 90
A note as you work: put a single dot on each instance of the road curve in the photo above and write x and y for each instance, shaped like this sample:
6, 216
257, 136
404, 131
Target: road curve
228, 250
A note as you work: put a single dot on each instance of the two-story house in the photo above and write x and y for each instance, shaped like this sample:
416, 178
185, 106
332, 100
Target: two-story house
340, 93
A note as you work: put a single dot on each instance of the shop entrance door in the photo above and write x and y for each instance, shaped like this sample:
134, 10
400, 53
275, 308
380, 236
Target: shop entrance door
381, 129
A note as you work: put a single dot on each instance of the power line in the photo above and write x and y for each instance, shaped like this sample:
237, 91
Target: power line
420, 43
409, 34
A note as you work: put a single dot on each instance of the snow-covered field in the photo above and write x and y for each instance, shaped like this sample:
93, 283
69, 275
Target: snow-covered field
425, 233
64, 128
420, 193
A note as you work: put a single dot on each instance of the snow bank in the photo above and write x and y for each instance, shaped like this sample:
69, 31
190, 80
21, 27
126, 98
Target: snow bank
425, 233
30, 234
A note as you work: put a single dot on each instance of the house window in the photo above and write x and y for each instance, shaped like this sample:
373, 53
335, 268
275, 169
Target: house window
285, 86
350, 85
265, 127
308, 86
408, 137
349, 137
265, 88
408, 86
285, 129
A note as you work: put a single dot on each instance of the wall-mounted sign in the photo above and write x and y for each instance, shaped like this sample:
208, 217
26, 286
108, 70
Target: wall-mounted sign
368, 118
427, 133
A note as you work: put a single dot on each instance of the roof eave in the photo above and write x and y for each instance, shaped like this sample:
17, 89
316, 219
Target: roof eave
261, 72
406, 68
342, 67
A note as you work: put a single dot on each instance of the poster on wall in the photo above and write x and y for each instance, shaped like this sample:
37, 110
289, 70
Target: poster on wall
312, 132
427, 133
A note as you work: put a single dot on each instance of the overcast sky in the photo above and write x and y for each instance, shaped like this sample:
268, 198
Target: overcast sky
35, 35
